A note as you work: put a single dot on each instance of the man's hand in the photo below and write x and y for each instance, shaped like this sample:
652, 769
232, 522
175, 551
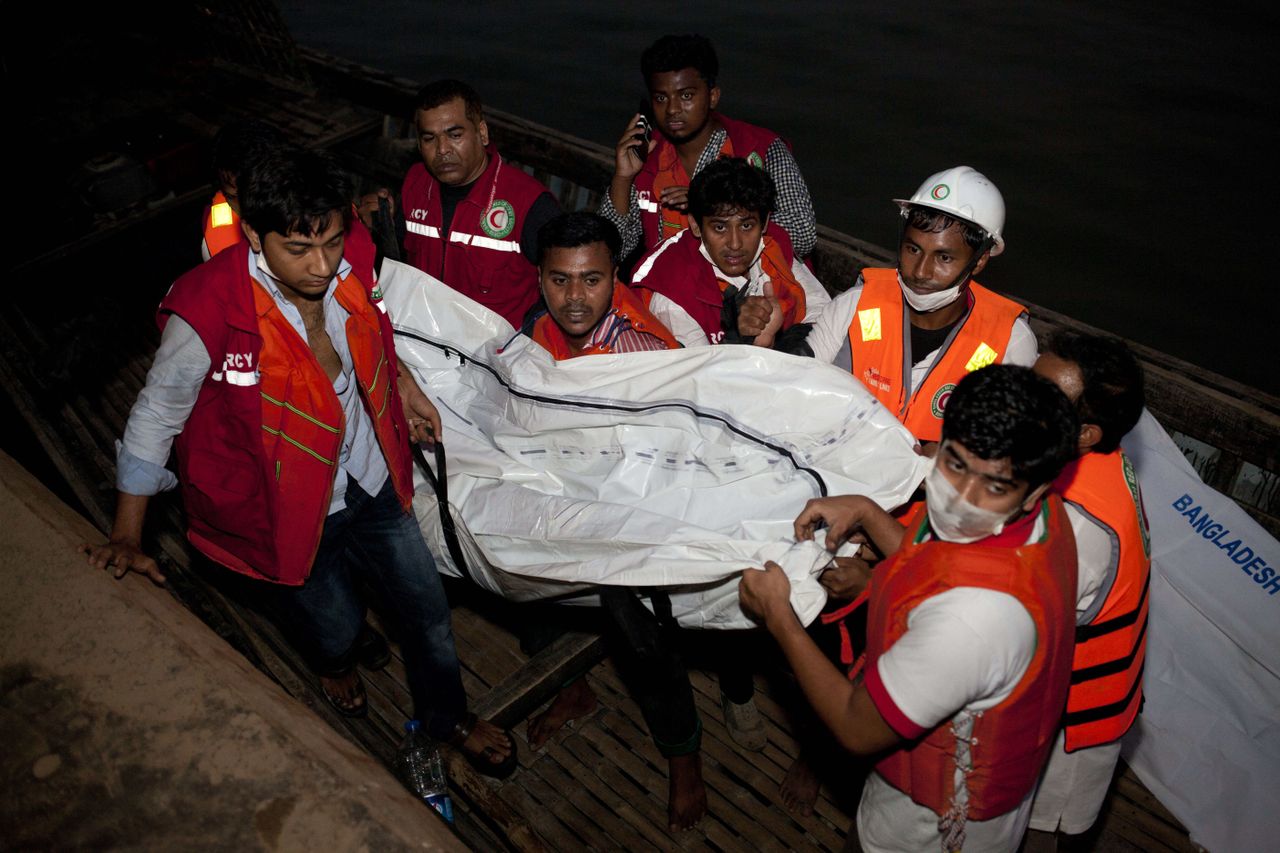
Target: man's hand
121, 556
368, 206
765, 595
927, 449
760, 317
847, 578
626, 162
419, 411
675, 197
842, 515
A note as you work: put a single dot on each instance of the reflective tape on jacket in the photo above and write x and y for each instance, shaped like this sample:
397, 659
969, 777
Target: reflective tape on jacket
880, 349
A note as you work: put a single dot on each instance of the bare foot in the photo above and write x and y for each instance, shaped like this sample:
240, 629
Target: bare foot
687, 796
799, 790
488, 740
574, 701
345, 693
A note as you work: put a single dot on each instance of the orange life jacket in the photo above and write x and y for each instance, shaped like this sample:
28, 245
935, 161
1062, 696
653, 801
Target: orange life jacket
221, 225
258, 455
1106, 675
626, 305
879, 341
1011, 741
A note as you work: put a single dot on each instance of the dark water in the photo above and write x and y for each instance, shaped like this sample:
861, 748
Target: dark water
1135, 144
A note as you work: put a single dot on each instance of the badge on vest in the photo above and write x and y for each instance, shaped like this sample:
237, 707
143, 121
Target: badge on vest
499, 219
939, 403
755, 159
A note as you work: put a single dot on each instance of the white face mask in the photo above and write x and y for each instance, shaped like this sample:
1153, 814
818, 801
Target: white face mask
929, 301
954, 519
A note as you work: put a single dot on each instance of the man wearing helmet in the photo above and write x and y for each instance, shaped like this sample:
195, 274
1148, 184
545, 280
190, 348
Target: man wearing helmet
951, 228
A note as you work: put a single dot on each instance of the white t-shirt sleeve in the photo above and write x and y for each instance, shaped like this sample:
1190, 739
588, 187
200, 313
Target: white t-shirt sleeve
1023, 347
678, 322
964, 649
1096, 558
831, 329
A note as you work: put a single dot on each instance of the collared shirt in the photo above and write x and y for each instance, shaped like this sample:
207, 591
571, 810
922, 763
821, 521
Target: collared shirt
795, 207
179, 371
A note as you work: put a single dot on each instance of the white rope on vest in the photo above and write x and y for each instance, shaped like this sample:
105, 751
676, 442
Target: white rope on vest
952, 824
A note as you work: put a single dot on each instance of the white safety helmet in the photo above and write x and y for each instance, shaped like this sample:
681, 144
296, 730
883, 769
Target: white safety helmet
965, 193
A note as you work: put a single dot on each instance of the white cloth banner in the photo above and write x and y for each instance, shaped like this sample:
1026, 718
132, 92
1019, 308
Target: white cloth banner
1207, 742
673, 469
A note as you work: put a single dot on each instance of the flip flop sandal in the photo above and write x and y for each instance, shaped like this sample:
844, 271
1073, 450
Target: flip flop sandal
357, 708
371, 649
479, 761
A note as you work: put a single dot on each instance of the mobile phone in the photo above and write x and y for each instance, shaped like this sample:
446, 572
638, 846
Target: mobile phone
644, 128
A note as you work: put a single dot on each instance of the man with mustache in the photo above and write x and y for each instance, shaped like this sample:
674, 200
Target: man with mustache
951, 228
471, 218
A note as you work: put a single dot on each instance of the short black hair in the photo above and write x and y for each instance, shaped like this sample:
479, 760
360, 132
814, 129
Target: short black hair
675, 53
240, 143
292, 190
1002, 411
441, 92
935, 222
730, 183
1113, 394
580, 228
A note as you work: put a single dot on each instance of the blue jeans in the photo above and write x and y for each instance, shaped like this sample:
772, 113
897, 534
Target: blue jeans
375, 540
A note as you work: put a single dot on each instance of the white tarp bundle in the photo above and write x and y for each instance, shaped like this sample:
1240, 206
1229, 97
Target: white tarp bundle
674, 469
1207, 742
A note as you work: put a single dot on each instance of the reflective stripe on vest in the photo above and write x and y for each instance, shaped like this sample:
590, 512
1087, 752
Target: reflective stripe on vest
221, 226
483, 242
424, 230
879, 349
1110, 651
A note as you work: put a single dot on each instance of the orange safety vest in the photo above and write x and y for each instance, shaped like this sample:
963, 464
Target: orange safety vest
626, 305
258, 455
879, 342
221, 225
1106, 675
1011, 741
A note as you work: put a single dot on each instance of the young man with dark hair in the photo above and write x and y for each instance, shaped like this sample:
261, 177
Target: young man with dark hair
648, 196
1104, 503
969, 628
588, 310
725, 279
471, 218
910, 334
277, 383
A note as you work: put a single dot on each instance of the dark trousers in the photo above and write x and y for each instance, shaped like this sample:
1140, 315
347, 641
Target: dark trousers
647, 648
375, 540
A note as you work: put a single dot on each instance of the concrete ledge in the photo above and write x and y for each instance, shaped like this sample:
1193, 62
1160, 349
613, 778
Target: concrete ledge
128, 723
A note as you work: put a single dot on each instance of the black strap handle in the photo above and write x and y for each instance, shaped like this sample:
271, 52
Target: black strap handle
441, 487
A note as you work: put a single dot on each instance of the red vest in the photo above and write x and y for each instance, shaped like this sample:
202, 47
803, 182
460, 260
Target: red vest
877, 340
1106, 675
258, 455
678, 270
625, 303
662, 168
222, 230
221, 225
480, 257
1012, 740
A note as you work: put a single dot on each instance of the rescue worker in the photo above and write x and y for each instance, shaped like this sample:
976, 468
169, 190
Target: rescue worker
1104, 503
471, 218
969, 629
236, 148
951, 228
648, 195
701, 280
278, 376
236, 145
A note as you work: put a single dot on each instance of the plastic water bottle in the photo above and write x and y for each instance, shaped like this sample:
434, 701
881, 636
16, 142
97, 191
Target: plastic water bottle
420, 767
